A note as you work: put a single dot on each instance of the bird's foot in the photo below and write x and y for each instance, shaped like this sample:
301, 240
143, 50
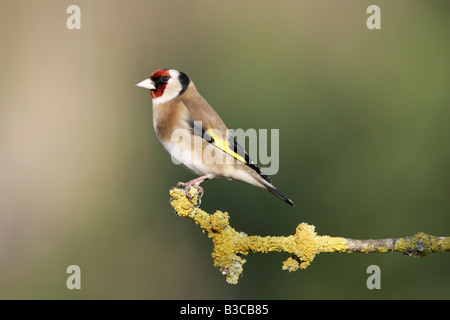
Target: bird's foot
195, 183
197, 186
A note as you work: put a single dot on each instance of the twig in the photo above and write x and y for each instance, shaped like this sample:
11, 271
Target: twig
230, 245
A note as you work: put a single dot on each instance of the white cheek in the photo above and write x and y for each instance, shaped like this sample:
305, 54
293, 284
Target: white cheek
172, 90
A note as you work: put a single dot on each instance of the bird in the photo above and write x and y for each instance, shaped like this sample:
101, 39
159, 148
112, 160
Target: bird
196, 137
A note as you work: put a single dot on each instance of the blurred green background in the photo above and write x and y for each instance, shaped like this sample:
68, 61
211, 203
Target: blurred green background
364, 119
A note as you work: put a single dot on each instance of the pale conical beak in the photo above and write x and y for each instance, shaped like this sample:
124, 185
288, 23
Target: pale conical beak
147, 84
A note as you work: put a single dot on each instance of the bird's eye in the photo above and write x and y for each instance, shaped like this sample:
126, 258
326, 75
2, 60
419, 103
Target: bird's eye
164, 78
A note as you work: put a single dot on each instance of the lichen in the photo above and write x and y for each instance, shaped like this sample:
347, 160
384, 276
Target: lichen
291, 264
421, 244
332, 244
230, 245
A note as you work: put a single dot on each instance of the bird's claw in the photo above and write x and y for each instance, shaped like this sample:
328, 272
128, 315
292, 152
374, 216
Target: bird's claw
190, 197
188, 186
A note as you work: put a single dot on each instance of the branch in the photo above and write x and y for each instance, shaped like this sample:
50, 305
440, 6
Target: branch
230, 245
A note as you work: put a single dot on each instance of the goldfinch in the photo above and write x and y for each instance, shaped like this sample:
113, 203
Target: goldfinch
196, 137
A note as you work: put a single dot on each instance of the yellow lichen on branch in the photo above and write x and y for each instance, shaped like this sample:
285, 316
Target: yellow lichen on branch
230, 245
422, 244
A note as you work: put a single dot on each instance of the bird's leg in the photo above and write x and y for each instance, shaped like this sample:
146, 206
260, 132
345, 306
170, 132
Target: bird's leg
189, 184
196, 182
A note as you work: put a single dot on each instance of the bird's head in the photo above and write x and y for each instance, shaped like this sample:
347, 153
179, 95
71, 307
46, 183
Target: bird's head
165, 84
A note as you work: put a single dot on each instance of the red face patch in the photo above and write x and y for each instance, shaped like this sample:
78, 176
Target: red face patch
160, 73
160, 85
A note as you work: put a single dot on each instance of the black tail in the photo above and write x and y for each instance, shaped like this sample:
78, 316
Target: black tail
276, 192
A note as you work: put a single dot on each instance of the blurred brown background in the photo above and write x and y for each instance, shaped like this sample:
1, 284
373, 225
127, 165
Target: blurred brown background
364, 129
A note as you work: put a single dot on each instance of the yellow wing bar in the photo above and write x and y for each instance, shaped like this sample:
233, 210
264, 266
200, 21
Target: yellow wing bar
223, 145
